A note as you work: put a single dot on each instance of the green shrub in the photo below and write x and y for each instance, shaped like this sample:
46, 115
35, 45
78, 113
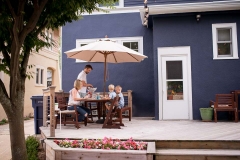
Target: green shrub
32, 145
26, 118
4, 120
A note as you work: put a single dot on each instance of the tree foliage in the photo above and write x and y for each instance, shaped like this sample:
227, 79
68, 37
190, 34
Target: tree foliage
27, 18
22, 23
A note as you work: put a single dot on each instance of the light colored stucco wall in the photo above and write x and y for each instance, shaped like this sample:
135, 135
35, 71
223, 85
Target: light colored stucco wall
6, 82
45, 59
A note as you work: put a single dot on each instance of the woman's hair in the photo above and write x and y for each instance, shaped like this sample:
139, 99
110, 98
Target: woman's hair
111, 86
77, 84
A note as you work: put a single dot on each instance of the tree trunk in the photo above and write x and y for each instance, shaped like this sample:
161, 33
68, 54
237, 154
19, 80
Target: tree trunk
16, 126
17, 136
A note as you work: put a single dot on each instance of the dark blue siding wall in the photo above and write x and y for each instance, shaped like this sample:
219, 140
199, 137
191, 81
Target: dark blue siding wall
129, 3
134, 76
209, 76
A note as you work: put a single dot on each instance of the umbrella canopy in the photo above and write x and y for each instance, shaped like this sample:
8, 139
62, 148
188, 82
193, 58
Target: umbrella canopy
105, 51
96, 52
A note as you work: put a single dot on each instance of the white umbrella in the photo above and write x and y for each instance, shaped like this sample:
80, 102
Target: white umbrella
105, 51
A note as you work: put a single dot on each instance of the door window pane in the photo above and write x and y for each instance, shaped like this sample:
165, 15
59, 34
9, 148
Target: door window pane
175, 90
174, 70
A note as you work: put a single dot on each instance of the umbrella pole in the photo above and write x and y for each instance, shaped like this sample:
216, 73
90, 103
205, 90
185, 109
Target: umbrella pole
105, 66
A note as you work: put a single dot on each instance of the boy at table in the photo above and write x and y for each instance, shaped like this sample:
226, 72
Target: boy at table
118, 90
120, 104
111, 95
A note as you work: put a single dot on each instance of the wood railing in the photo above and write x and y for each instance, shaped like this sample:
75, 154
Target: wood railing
49, 92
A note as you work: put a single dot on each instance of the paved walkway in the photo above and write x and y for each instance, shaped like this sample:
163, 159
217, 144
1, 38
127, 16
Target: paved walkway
5, 147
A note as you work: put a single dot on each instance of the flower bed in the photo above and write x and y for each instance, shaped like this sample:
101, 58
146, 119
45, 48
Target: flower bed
100, 149
106, 143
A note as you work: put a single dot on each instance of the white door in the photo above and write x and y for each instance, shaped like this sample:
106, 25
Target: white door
175, 88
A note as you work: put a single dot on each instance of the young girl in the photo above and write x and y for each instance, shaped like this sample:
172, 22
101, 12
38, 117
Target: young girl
74, 99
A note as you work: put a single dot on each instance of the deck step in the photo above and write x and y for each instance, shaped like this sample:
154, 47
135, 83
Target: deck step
198, 144
197, 154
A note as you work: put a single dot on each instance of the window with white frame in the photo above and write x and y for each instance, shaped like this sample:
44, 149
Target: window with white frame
134, 43
225, 41
118, 4
39, 75
50, 40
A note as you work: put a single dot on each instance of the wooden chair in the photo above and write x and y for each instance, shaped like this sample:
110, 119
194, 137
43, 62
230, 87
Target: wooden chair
120, 114
224, 102
108, 123
61, 99
237, 93
236, 98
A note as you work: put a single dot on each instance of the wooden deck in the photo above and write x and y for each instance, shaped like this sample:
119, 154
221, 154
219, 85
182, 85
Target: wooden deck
147, 129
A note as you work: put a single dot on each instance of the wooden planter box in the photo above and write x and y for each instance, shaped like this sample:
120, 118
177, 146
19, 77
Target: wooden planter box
55, 152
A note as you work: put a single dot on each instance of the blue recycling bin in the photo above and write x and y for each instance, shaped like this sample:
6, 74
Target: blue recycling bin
37, 104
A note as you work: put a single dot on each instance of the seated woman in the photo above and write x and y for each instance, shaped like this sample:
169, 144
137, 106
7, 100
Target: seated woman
74, 99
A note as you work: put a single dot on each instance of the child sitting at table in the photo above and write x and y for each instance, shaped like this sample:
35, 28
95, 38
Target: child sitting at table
118, 90
111, 95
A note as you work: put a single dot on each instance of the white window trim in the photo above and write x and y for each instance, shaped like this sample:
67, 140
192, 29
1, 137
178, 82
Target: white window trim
47, 33
233, 26
44, 74
119, 40
121, 5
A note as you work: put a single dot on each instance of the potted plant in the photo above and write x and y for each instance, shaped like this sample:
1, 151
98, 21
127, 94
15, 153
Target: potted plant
206, 114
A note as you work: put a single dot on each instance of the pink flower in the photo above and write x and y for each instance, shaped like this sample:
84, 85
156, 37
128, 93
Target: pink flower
105, 143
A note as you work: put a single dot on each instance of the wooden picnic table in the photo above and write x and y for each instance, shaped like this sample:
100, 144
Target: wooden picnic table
100, 107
